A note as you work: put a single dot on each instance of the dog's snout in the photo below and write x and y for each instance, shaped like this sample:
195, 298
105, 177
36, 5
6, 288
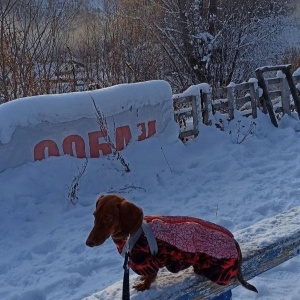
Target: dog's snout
90, 243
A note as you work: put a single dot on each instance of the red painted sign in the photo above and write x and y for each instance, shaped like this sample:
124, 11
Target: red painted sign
77, 143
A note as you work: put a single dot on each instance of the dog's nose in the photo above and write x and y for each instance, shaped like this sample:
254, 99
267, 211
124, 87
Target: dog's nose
90, 243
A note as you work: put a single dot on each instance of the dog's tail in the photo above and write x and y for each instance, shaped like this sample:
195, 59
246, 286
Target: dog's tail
239, 275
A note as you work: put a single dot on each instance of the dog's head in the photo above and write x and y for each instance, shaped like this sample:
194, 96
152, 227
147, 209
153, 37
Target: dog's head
115, 217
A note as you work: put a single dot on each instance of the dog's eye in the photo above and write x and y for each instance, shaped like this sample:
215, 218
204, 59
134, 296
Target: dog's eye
107, 219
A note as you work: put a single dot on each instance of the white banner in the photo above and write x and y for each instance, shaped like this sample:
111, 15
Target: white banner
34, 128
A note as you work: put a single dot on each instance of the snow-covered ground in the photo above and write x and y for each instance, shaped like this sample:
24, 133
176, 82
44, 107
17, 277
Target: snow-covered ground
43, 255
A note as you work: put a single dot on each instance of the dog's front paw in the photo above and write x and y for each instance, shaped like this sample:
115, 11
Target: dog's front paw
140, 286
144, 283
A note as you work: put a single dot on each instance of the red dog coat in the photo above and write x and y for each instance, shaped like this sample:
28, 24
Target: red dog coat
184, 242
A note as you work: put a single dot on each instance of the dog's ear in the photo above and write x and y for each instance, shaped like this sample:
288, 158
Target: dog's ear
99, 200
131, 217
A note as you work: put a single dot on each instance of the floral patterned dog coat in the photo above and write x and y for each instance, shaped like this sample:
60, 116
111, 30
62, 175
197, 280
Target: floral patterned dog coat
184, 242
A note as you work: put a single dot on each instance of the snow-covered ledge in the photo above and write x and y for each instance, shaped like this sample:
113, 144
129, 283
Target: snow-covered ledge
36, 127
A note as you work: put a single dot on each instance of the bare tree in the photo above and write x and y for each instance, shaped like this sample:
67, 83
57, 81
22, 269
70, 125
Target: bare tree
6, 8
46, 43
116, 43
30, 42
208, 41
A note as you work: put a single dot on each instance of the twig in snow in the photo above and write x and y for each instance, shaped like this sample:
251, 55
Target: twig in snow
103, 126
75, 183
166, 159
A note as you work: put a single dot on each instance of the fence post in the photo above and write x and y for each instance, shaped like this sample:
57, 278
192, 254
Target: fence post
195, 115
254, 99
205, 106
266, 96
285, 96
231, 100
293, 89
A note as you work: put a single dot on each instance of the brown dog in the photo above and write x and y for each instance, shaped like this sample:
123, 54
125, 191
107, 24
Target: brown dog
181, 242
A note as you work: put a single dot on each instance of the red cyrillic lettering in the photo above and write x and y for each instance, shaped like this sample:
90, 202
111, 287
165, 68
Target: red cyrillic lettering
123, 137
39, 149
151, 130
95, 147
79, 144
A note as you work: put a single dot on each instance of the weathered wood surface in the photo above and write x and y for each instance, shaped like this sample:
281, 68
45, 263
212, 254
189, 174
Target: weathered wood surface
286, 70
254, 99
266, 96
285, 87
265, 245
273, 68
293, 89
184, 105
206, 107
183, 100
231, 101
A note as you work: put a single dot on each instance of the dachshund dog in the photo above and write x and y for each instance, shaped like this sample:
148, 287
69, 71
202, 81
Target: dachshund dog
181, 242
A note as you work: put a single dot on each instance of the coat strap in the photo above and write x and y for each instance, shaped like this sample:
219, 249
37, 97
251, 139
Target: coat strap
132, 239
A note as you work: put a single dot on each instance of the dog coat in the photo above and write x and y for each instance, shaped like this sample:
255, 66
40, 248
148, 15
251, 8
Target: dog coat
184, 242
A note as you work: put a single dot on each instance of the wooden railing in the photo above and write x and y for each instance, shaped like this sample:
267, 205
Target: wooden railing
192, 108
185, 114
275, 96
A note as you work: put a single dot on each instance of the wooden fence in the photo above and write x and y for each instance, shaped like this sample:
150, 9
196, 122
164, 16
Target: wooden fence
185, 114
191, 109
274, 95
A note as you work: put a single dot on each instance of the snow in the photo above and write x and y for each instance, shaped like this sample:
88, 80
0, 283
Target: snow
60, 108
297, 72
216, 177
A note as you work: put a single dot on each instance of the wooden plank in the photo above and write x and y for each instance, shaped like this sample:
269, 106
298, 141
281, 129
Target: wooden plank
205, 107
187, 133
274, 94
285, 96
183, 100
231, 101
264, 245
259, 254
195, 116
273, 68
293, 89
254, 99
271, 81
242, 86
266, 96
181, 110
220, 102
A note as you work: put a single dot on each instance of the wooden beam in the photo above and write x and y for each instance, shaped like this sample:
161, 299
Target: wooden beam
273, 68
254, 99
266, 96
276, 241
231, 100
293, 88
183, 100
264, 245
